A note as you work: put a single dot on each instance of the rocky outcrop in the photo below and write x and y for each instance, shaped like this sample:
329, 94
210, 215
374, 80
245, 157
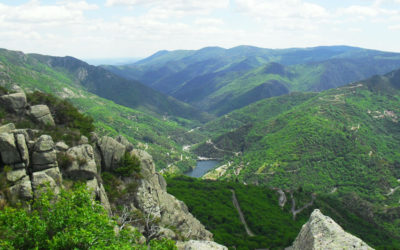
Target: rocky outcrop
41, 114
321, 232
29, 173
29, 165
44, 167
200, 245
7, 128
151, 197
83, 167
44, 154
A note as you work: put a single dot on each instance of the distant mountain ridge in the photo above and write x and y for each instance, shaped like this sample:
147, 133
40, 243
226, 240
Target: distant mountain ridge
220, 80
129, 93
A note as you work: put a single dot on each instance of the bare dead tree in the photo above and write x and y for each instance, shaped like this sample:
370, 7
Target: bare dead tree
152, 229
127, 217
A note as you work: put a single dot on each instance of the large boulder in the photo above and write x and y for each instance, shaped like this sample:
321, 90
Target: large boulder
110, 152
21, 190
42, 114
14, 102
200, 245
61, 146
321, 232
44, 143
83, 165
8, 149
15, 175
49, 178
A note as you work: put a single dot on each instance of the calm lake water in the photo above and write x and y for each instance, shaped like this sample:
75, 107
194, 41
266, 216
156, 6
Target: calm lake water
202, 167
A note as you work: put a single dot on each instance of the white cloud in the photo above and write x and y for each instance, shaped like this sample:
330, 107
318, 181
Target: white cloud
282, 8
289, 15
394, 27
177, 5
365, 11
34, 12
209, 21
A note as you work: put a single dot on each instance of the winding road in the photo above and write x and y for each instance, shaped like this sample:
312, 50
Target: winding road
237, 206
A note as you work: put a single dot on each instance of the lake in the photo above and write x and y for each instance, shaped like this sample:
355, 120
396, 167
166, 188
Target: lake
202, 167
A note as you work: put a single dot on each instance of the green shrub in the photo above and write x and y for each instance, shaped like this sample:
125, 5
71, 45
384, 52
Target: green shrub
64, 113
128, 165
64, 160
69, 221
2, 113
111, 185
3, 91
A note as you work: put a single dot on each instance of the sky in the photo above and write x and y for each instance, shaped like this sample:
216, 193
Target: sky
138, 28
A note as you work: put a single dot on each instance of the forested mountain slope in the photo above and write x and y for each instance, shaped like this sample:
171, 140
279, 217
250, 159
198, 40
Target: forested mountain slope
341, 140
128, 93
220, 80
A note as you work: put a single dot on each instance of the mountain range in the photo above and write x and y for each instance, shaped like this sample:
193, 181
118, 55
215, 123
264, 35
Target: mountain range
317, 124
150, 125
218, 80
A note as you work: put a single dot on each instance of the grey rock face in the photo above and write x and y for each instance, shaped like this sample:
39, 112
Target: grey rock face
111, 152
14, 102
28, 133
93, 137
41, 113
83, 165
16, 89
15, 175
22, 148
44, 160
44, 155
22, 190
44, 143
321, 232
200, 245
49, 178
7, 128
61, 146
83, 140
8, 149
125, 142
98, 193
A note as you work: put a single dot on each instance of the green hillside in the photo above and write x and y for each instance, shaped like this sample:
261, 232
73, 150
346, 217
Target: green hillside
163, 138
341, 140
